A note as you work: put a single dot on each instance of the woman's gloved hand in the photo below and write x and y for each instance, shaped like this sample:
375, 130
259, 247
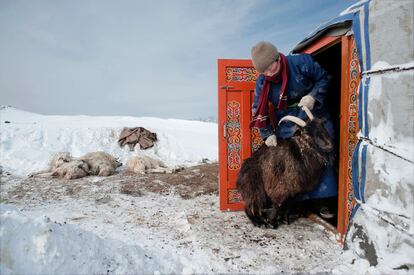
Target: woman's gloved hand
271, 141
307, 101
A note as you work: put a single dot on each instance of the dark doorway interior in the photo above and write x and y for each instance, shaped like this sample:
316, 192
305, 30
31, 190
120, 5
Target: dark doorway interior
330, 59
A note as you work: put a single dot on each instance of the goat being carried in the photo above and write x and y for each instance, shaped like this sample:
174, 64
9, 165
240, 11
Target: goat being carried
273, 175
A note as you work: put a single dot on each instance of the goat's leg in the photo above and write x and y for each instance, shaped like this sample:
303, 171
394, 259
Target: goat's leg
285, 213
42, 174
255, 219
161, 170
274, 216
287, 210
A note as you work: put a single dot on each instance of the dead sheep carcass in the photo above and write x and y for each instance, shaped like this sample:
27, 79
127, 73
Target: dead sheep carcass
63, 165
274, 175
100, 163
146, 164
71, 170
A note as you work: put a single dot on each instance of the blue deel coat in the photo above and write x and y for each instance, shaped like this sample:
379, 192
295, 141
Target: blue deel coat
305, 77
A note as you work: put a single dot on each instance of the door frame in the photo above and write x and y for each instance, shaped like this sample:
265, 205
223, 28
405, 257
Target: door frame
350, 78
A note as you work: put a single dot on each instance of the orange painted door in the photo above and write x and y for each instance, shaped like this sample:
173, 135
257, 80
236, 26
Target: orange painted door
236, 82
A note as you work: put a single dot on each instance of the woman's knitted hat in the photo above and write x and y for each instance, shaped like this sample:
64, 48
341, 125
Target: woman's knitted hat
263, 54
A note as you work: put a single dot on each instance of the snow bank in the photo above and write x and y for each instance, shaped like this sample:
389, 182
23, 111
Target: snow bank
29, 140
372, 240
41, 246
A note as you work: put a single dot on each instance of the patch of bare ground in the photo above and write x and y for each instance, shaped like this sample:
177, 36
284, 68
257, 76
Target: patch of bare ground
187, 183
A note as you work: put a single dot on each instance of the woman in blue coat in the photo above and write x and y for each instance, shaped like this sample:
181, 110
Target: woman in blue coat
289, 83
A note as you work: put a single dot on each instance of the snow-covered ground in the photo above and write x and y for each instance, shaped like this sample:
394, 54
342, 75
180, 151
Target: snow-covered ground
28, 141
138, 224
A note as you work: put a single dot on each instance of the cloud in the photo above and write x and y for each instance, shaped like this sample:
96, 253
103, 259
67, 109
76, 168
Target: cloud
152, 58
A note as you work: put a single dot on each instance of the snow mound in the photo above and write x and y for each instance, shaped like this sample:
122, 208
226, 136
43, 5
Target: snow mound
28, 140
41, 246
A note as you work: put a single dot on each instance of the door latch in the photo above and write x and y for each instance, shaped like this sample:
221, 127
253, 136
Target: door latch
226, 87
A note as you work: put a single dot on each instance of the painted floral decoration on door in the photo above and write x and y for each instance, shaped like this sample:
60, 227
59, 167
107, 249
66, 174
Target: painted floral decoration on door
235, 74
233, 133
352, 125
234, 196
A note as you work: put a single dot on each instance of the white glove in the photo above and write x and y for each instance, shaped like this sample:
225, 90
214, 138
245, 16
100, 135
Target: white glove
307, 101
271, 141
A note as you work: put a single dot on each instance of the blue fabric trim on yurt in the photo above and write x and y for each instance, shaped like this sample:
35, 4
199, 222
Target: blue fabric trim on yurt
363, 106
357, 35
361, 34
359, 158
360, 93
366, 37
359, 175
354, 210
364, 173
355, 172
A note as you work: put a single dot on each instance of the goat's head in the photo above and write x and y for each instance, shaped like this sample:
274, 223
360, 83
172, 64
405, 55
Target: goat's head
314, 128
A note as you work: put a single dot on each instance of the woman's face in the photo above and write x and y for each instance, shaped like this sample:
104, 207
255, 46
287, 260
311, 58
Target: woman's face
273, 69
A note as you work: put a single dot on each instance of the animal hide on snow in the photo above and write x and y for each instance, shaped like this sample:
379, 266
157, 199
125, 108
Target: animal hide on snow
140, 135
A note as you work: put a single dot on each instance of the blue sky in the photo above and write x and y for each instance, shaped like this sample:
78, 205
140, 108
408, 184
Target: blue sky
140, 58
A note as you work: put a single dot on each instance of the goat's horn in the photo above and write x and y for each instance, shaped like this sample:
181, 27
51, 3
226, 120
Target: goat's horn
308, 112
294, 119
